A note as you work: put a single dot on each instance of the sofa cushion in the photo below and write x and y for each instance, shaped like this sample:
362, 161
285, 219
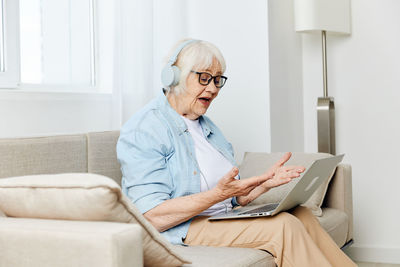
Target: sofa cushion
102, 154
336, 223
225, 256
43, 155
339, 195
88, 197
257, 163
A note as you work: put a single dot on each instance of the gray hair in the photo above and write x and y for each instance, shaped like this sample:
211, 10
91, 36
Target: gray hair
195, 56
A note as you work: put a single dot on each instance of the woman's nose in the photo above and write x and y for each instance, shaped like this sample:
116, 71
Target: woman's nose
212, 88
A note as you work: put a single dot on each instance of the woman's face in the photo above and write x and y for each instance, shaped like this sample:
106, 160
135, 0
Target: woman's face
196, 98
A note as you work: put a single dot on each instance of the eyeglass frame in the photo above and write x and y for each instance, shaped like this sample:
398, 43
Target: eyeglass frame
212, 78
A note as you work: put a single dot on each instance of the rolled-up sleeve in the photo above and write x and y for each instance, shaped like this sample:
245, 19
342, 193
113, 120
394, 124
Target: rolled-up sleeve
146, 178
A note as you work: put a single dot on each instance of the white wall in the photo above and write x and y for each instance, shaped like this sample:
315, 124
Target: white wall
38, 113
286, 94
363, 77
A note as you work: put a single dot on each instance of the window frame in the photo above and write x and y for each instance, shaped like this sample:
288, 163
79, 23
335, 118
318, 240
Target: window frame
101, 64
9, 15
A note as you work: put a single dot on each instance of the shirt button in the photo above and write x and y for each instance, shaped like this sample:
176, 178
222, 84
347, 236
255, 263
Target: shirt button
194, 172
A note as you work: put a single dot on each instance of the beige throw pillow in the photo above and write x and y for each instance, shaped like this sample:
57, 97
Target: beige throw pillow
257, 163
82, 196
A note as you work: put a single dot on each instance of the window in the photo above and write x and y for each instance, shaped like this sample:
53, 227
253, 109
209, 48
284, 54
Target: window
58, 44
9, 54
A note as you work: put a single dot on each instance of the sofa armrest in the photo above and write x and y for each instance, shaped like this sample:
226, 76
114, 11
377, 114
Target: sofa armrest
339, 195
39, 242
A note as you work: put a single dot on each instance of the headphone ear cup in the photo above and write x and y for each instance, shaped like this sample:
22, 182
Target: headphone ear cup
167, 75
170, 75
177, 75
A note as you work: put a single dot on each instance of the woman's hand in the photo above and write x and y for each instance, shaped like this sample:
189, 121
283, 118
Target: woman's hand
280, 174
275, 176
228, 186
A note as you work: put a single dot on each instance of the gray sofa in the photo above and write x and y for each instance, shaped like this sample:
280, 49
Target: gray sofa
45, 242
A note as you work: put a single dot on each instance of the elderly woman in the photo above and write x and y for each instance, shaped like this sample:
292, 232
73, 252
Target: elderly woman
178, 169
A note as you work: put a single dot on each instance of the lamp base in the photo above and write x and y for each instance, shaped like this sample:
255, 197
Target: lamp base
326, 125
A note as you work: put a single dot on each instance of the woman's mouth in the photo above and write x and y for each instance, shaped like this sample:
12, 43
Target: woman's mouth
205, 101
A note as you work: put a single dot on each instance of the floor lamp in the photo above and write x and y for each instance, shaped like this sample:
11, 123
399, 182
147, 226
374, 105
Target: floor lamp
324, 16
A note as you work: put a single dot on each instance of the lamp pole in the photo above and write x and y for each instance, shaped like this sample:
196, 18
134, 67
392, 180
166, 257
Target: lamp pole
326, 110
324, 67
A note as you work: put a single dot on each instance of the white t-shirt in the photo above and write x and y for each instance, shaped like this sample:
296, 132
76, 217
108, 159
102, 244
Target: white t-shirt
213, 165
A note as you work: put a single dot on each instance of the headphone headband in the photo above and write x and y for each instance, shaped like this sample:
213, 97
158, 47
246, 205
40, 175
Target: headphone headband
174, 56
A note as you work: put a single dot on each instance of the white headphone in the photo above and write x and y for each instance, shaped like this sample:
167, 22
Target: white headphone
170, 74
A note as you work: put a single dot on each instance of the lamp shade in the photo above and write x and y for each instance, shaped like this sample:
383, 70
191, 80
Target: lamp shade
322, 15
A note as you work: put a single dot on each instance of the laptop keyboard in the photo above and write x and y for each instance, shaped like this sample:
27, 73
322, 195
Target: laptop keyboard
264, 208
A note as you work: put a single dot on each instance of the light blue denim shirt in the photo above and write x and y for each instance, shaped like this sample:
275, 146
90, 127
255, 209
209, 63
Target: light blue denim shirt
157, 157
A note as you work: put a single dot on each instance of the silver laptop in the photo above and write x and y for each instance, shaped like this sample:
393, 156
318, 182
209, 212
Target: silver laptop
314, 176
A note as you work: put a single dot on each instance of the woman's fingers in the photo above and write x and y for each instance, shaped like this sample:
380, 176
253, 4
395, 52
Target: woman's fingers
283, 160
282, 177
292, 174
287, 174
231, 174
293, 168
228, 179
279, 164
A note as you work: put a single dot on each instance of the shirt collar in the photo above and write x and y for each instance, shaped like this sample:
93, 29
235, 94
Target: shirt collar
205, 126
171, 114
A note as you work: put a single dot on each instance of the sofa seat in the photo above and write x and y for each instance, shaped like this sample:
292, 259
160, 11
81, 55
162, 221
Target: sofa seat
225, 257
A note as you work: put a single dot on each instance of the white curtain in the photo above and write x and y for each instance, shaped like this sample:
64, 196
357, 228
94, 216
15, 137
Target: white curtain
145, 31
149, 28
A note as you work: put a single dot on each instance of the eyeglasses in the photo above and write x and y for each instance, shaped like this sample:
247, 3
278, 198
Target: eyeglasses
205, 79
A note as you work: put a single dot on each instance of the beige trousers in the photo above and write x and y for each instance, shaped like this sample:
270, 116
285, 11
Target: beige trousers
294, 239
